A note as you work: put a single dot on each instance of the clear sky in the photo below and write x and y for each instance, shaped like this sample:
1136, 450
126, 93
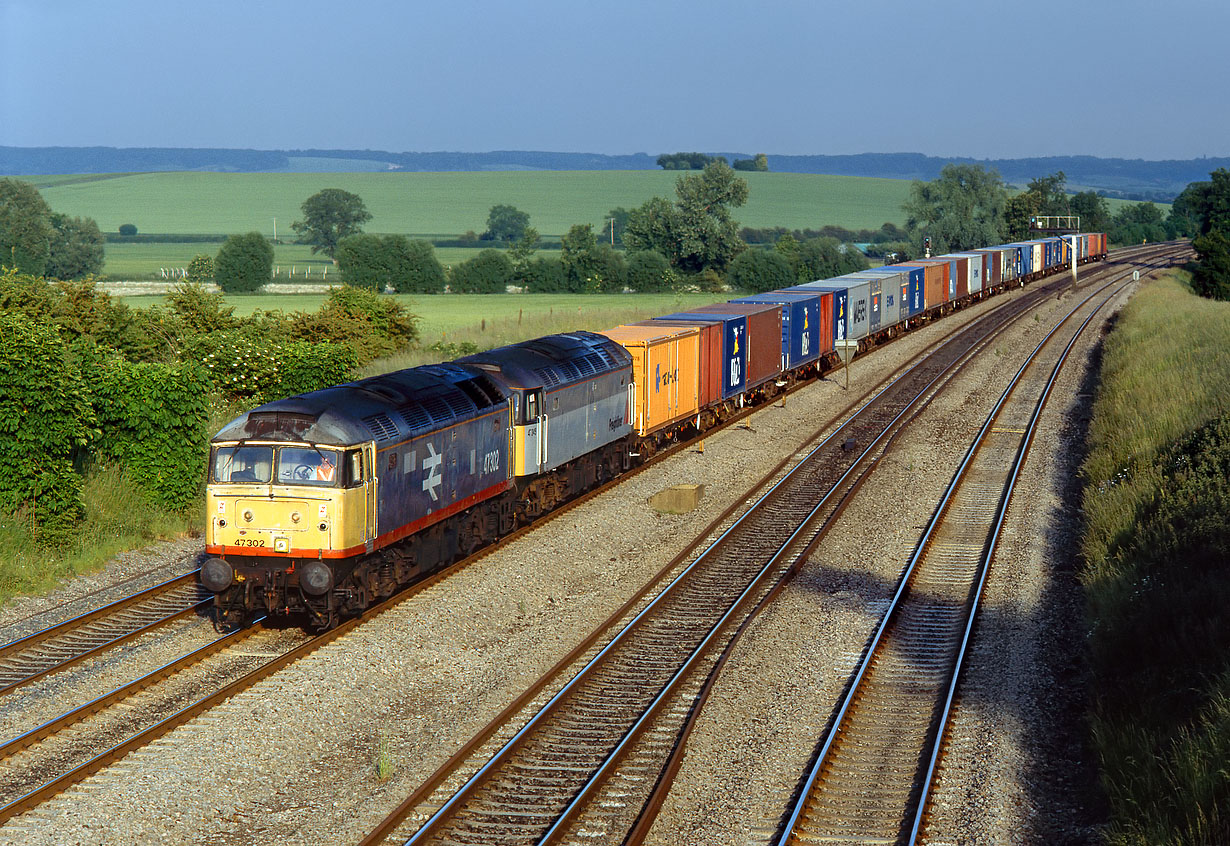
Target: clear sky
948, 78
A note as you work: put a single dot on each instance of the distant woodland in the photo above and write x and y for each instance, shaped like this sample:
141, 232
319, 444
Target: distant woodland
1131, 179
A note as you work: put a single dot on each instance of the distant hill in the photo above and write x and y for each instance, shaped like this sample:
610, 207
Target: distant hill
1132, 179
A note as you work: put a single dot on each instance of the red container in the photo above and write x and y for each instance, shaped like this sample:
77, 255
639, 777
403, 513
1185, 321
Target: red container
764, 343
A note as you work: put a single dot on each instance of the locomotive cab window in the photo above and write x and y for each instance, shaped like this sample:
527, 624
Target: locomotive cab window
307, 466
237, 465
353, 475
531, 406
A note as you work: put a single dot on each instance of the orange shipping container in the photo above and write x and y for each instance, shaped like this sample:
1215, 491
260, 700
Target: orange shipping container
665, 373
711, 370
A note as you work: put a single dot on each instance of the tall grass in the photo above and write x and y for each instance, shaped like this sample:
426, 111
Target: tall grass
1165, 372
1157, 568
116, 519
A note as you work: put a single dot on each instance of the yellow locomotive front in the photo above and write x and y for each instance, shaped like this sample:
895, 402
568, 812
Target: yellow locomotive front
284, 520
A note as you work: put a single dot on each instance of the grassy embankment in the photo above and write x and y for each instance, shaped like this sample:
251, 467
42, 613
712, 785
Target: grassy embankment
118, 519
1157, 573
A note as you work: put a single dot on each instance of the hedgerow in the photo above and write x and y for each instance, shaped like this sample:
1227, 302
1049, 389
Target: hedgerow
44, 419
153, 422
247, 369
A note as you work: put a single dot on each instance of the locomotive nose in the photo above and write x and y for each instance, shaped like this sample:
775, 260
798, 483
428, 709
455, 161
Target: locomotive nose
216, 575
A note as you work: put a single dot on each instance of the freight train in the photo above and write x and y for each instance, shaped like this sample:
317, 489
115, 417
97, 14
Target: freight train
321, 504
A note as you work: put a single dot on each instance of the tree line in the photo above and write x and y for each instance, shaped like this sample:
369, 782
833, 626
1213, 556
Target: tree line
693, 240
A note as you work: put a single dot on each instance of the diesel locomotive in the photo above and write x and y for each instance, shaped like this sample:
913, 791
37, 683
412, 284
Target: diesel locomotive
321, 504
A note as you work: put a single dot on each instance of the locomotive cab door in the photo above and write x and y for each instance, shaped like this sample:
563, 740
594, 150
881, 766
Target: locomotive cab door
370, 485
534, 411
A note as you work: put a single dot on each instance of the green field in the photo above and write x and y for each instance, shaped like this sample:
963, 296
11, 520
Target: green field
443, 316
449, 204
291, 262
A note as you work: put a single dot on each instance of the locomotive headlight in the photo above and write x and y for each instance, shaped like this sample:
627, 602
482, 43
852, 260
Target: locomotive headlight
216, 574
295, 517
247, 515
221, 522
324, 527
315, 577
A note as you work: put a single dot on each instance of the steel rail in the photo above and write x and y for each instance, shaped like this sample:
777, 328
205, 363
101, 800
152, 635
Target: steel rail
420, 794
877, 639
103, 620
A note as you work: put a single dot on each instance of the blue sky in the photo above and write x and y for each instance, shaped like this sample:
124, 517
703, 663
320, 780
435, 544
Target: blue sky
946, 78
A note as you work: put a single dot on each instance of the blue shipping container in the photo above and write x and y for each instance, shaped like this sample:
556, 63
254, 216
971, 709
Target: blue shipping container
800, 324
734, 346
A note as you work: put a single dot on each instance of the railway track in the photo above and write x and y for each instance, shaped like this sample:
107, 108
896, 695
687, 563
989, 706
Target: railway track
876, 762
65, 644
544, 780
146, 736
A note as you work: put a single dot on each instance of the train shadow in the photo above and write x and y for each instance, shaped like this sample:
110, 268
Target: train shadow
1027, 669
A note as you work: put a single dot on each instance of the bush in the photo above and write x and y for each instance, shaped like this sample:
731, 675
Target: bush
153, 419
374, 261
543, 276
489, 272
648, 271
760, 270
128, 230
244, 263
44, 418
200, 269
255, 371
372, 325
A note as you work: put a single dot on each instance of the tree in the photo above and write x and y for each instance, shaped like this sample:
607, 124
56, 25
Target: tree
590, 267
1212, 275
25, 228
651, 226
521, 252
374, 261
760, 270
1045, 195
697, 233
76, 248
824, 258
244, 263
686, 161
1093, 210
506, 224
489, 272
759, 162
328, 217
1136, 223
1051, 193
128, 229
613, 226
961, 210
648, 271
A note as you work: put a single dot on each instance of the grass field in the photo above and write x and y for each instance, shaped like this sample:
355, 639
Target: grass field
290, 261
488, 319
450, 204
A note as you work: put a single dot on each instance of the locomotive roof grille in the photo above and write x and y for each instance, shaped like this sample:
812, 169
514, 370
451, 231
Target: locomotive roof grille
382, 426
415, 416
548, 377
